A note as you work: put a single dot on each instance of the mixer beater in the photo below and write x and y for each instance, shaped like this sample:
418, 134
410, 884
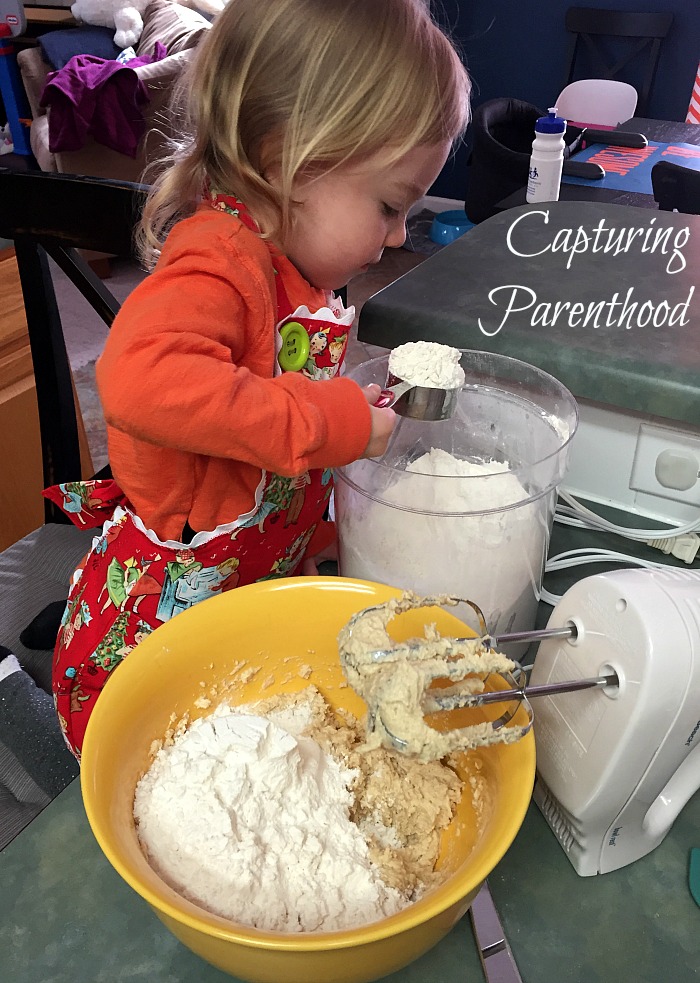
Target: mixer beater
397, 680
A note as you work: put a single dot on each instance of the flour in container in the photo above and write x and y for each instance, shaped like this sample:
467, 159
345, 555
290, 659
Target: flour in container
448, 525
427, 363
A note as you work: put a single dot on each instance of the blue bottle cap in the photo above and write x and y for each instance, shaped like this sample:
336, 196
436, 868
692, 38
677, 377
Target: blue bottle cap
550, 123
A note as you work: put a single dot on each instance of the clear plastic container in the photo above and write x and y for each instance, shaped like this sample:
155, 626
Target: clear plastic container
482, 535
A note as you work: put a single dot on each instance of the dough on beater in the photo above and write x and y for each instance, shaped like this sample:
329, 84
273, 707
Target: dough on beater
394, 687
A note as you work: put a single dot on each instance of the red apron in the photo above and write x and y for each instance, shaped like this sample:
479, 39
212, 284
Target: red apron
130, 582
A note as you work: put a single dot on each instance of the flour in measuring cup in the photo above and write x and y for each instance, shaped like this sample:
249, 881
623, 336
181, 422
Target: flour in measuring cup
427, 363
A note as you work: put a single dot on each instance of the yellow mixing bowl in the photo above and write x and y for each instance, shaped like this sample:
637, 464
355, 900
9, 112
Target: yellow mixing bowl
296, 620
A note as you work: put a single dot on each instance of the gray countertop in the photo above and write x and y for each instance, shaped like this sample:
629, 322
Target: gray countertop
460, 297
67, 917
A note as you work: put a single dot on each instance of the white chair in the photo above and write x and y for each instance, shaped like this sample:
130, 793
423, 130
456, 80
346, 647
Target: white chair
597, 102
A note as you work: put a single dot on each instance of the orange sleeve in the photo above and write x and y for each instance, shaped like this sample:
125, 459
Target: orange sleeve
189, 363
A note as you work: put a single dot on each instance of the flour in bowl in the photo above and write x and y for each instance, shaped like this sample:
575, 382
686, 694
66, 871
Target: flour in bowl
427, 363
248, 817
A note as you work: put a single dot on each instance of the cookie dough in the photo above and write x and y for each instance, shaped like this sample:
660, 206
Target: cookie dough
393, 678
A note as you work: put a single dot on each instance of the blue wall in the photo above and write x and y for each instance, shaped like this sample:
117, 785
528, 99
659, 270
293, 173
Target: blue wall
520, 48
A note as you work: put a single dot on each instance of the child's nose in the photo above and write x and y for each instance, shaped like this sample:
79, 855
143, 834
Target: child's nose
396, 236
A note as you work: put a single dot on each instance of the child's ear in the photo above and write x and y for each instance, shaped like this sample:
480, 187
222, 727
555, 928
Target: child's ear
271, 161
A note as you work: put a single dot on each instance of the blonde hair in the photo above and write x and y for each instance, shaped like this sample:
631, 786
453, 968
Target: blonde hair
301, 84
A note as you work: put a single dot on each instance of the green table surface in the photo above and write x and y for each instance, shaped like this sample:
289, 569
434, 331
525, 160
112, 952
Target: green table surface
67, 917
647, 369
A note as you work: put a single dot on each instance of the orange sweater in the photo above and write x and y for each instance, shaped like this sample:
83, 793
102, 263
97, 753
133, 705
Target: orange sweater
193, 409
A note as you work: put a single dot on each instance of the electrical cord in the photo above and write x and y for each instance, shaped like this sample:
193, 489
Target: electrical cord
580, 557
681, 541
586, 516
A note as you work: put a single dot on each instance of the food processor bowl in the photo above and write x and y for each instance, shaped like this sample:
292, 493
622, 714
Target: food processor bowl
463, 506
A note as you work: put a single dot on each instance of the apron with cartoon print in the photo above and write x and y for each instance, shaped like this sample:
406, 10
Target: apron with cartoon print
130, 582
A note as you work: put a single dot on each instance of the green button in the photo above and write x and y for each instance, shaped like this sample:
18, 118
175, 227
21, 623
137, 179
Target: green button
295, 347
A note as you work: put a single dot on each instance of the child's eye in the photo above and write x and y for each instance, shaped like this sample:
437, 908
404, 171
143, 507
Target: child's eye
389, 211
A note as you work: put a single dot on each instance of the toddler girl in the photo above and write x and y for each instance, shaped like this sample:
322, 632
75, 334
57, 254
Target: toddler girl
313, 126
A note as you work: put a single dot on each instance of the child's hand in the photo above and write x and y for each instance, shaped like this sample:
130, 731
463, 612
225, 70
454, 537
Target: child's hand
383, 421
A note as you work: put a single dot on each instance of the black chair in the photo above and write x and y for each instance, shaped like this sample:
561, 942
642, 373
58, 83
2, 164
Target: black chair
502, 135
676, 187
51, 215
55, 215
594, 28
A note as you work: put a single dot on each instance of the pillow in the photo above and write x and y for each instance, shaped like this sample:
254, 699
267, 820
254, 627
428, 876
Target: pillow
58, 47
177, 27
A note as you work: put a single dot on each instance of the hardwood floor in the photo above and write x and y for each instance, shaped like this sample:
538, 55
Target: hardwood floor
21, 504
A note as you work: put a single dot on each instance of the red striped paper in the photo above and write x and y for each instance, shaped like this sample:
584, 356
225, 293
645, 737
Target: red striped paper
694, 107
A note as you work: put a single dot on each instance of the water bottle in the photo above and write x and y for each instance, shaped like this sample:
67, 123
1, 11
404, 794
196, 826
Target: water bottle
547, 158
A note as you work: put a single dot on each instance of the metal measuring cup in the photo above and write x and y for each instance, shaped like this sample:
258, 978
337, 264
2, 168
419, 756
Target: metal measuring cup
418, 402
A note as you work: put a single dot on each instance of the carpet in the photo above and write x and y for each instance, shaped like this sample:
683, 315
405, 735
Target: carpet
93, 418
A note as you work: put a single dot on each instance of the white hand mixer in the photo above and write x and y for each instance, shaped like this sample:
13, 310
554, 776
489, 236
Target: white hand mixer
615, 767
617, 727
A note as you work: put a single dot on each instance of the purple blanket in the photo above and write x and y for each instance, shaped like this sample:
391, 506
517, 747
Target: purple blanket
93, 97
